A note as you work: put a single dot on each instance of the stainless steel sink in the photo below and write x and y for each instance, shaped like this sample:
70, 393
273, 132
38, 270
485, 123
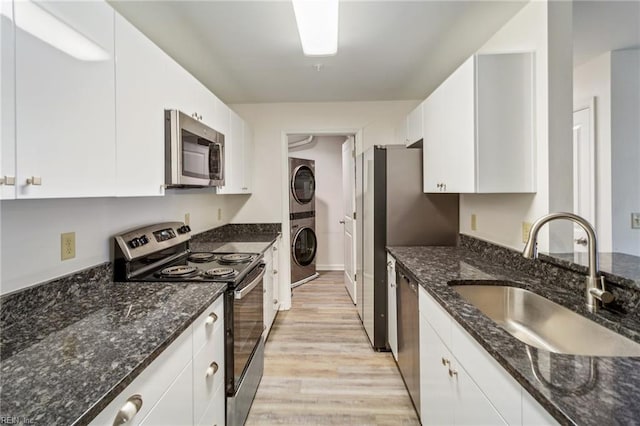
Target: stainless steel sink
544, 324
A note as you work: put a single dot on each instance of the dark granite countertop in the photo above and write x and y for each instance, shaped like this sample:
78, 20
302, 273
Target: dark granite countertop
64, 360
572, 397
619, 268
237, 238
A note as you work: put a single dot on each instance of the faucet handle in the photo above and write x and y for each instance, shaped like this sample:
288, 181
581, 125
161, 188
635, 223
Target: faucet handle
602, 295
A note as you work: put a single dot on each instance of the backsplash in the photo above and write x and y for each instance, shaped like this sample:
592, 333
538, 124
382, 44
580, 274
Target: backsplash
627, 296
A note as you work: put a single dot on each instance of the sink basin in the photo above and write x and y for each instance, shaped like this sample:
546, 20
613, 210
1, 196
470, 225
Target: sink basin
544, 324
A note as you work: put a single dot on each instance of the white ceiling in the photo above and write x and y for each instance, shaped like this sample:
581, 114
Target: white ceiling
249, 51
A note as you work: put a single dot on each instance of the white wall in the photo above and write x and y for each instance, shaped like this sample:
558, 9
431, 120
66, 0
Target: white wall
593, 79
326, 151
30, 229
546, 29
625, 148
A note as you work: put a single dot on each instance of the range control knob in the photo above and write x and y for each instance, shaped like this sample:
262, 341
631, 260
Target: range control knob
144, 240
135, 242
184, 229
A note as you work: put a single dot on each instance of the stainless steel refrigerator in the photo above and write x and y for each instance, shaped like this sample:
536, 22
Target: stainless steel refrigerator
392, 210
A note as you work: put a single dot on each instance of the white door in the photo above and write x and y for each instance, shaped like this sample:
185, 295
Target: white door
583, 174
349, 204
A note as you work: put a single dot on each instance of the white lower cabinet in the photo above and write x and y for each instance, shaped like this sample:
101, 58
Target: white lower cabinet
173, 408
392, 306
271, 287
181, 386
460, 383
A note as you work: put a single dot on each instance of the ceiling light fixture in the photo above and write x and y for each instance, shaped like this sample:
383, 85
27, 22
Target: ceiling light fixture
46, 27
318, 26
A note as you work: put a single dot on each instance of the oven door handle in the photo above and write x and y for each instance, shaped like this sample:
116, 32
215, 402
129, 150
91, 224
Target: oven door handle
239, 294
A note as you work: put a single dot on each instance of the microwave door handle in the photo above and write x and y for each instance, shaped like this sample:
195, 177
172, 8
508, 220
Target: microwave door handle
212, 158
239, 294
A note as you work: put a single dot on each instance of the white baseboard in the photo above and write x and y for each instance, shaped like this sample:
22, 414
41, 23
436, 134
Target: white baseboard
329, 267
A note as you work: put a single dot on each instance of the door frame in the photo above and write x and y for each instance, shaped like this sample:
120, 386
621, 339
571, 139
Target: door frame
589, 104
285, 279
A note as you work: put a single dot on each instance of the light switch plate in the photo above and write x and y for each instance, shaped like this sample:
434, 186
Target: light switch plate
187, 218
635, 220
526, 227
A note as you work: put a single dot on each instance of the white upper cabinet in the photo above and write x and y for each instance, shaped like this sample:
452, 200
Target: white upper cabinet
415, 125
7, 103
478, 127
65, 103
238, 157
141, 98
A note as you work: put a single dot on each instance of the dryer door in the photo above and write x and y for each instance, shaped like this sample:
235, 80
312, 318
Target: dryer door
304, 246
303, 184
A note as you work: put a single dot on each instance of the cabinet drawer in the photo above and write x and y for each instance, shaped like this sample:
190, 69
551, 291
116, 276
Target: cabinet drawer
152, 382
203, 327
175, 406
436, 315
215, 413
207, 382
499, 387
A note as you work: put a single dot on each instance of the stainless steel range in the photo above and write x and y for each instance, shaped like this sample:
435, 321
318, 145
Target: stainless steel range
161, 252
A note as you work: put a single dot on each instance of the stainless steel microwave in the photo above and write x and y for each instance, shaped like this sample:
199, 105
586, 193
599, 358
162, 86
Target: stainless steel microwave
194, 152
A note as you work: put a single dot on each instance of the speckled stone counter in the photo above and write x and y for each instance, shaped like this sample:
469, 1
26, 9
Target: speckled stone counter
570, 393
70, 346
237, 238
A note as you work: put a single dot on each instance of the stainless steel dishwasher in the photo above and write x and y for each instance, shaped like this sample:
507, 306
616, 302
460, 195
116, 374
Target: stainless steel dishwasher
409, 336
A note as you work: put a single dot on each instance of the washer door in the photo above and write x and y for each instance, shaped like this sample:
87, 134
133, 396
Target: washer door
303, 184
304, 246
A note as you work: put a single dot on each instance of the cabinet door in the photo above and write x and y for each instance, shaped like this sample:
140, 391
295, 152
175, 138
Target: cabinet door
392, 306
414, 125
449, 144
7, 103
221, 117
175, 407
141, 98
233, 156
65, 104
276, 277
436, 386
247, 163
471, 406
533, 414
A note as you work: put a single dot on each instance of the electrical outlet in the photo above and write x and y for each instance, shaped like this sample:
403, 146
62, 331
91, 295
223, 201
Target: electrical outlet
67, 245
526, 227
474, 223
219, 213
187, 218
635, 220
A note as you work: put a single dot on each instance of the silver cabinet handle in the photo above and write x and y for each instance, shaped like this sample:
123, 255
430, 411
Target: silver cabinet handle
275, 271
34, 180
128, 410
389, 263
9, 180
275, 301
244, 188
453, 373
211, 319
213, 369
342, 222
445, 361
275, 248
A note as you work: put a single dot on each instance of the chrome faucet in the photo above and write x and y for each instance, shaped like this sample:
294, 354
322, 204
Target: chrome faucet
595, 292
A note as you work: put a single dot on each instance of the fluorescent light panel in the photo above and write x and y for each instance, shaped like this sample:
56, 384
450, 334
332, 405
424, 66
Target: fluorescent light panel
318, 26
41, 24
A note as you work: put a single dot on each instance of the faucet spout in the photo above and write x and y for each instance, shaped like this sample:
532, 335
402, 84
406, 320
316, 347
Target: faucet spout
595, 291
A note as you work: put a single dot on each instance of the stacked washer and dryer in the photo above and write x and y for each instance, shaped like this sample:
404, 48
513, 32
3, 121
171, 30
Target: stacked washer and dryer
302, 215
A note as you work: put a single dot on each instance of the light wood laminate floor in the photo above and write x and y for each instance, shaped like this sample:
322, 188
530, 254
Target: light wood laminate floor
320, 368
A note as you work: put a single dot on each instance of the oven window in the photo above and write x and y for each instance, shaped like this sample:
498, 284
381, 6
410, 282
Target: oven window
195, 155
248, 324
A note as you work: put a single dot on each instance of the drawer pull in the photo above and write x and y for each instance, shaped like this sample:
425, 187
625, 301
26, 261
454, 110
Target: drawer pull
211, 319
34, 180
128, 410
213, 369
275, 301
275, 271
445, 361
453, 373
